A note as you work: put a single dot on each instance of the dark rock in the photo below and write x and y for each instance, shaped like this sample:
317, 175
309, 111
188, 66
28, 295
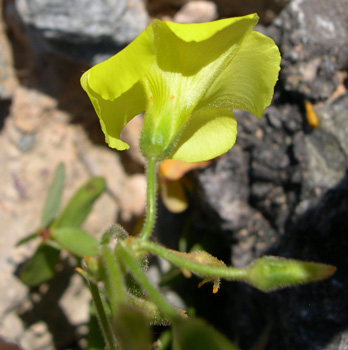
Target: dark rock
315, 314
294, 184
224, 194
323, 153
253, 240
314, 45
85, 31
266, 9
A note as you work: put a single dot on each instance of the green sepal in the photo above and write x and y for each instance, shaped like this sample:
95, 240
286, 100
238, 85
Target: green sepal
40, 267
196, 334
75, 241
81, 204
270, 273
54, 197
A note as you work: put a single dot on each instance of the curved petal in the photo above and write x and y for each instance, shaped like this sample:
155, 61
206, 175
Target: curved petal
248, 81
188, 60
114, 115
113, 77
187, 48
210, 133
114, 86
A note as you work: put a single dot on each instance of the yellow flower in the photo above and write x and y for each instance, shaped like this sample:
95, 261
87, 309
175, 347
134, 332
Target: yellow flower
187, 78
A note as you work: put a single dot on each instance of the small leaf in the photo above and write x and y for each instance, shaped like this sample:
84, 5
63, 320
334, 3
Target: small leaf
81, 204
196, 334
40, 267
131, 328
270, 273
54, 197
75, 241
28, 238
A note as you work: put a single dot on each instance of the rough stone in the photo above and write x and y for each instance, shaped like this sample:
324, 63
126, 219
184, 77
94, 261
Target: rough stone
266, 9
227, 195
7, 74
314, 46
86, 31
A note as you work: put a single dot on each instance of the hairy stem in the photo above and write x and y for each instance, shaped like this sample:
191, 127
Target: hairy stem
180, 260
102, 318
113, 278
126, 256
151, 179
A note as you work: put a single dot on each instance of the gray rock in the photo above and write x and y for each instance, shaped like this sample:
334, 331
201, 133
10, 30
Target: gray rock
314, 45
227, 195
326, 147
85, 31
294, 184
313, 316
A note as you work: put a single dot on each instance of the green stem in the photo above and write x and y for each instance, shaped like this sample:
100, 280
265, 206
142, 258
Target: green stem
230, 273
113, 279
151, 179
126, 256
102, 318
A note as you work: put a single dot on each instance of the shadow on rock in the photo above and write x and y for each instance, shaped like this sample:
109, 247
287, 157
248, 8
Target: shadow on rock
45, 308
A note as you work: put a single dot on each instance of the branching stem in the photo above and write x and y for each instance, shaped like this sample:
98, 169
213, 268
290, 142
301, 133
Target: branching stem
126, 256
175, 258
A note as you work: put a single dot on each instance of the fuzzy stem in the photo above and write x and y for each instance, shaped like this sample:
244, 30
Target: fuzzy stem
151, 178
126, 256
113, 279
195, 267
102, 318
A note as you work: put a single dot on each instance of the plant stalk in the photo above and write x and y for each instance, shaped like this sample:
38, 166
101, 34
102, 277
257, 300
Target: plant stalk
172, 256
104, 324
151, 180
166, 309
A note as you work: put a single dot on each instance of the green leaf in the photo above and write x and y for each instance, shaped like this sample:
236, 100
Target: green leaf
75, 241
131, 328
270, 273
81, 204
196, 334
54, 197
40, 267
28, 238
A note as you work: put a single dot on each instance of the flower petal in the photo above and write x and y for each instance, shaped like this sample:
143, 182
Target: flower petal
210, 133
114, 115
114, 89
187, 48
113, 77
248, 81
188, 60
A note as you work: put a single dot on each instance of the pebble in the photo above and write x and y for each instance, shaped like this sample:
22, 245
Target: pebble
197, 12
